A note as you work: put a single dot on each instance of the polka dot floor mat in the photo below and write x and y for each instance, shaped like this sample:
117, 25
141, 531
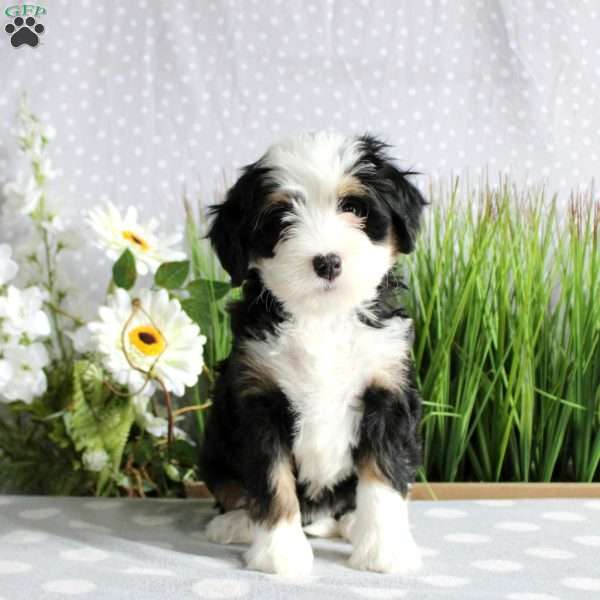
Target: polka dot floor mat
52, 548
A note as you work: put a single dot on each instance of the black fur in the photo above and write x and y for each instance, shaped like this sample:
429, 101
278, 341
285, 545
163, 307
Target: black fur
234, 233
391, 186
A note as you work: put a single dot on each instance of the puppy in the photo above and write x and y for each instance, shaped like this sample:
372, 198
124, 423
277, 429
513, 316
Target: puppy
315, 417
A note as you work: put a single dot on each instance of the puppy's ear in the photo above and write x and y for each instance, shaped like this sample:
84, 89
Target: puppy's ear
406, 203
230, 231
402, 197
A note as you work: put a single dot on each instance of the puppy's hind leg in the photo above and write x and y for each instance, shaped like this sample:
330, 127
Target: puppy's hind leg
233, 527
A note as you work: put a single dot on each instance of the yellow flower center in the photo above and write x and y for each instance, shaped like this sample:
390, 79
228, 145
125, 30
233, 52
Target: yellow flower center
147, 339
136, 239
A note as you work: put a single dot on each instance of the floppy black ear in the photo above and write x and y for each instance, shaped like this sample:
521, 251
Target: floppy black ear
230, 231
406, 203
403, 198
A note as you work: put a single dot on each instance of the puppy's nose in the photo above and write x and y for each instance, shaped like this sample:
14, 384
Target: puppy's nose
327, 266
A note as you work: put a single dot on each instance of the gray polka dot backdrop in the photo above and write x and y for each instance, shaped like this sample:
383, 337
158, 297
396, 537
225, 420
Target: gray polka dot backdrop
151, 99
65, 547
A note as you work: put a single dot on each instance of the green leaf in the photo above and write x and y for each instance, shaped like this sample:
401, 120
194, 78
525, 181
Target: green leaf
198, 309
172, 275
212, 289
98, 419
124, 272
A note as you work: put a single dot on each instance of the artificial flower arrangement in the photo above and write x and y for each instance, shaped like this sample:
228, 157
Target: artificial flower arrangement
89, 407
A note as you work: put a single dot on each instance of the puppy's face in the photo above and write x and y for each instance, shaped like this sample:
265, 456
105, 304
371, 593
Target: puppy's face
322, 218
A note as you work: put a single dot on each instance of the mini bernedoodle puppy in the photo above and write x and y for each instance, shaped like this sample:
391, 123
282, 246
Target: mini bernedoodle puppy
314, 428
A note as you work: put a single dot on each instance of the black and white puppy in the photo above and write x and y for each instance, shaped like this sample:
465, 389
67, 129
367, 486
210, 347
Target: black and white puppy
315, 420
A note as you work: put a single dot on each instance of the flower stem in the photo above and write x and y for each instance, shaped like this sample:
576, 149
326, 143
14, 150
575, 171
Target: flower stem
50, 275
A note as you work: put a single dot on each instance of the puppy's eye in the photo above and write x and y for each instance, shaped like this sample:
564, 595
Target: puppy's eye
355, 206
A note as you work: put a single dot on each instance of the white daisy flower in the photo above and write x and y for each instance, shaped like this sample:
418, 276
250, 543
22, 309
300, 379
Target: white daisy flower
117, 232
8, 267
26, 364
157, 337
22, 195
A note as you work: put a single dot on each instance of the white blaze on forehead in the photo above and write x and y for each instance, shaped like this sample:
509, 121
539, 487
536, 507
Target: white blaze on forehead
313, 171
313, 164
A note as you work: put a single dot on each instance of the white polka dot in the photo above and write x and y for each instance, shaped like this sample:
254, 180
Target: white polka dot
220, 588
563, 516
518, 526
550, 553
38, 514
467, 538
497, 565
587, 540
69, 586
444, 581
426, 551
153, 520
84, 554
148, 571
24, 536
446, 513
91, 526
10, 567
588, 584
377, 593
530, 596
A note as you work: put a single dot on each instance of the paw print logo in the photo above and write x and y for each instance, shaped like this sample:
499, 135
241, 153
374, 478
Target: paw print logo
24, 31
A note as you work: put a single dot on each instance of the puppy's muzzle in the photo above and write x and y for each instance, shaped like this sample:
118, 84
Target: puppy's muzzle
327, 266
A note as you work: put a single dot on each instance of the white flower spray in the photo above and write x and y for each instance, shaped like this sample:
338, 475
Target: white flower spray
27, 200
23, 328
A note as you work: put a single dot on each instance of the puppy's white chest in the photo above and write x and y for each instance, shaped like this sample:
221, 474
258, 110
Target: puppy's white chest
323, 366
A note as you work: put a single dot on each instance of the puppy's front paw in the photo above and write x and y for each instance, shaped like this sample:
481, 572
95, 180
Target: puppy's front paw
386, 553
283, 550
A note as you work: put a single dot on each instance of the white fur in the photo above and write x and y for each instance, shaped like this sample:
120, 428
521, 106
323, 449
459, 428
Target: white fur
233, 527
323, 366
283, 550
380, 535
325, 527
312, 162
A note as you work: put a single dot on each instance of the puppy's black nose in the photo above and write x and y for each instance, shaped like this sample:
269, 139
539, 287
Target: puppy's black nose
327, 266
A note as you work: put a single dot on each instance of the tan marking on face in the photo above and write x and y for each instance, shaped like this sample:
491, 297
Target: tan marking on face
391, 241
349, 185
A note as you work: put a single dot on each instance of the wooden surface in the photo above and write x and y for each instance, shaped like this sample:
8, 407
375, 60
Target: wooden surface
471, 491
